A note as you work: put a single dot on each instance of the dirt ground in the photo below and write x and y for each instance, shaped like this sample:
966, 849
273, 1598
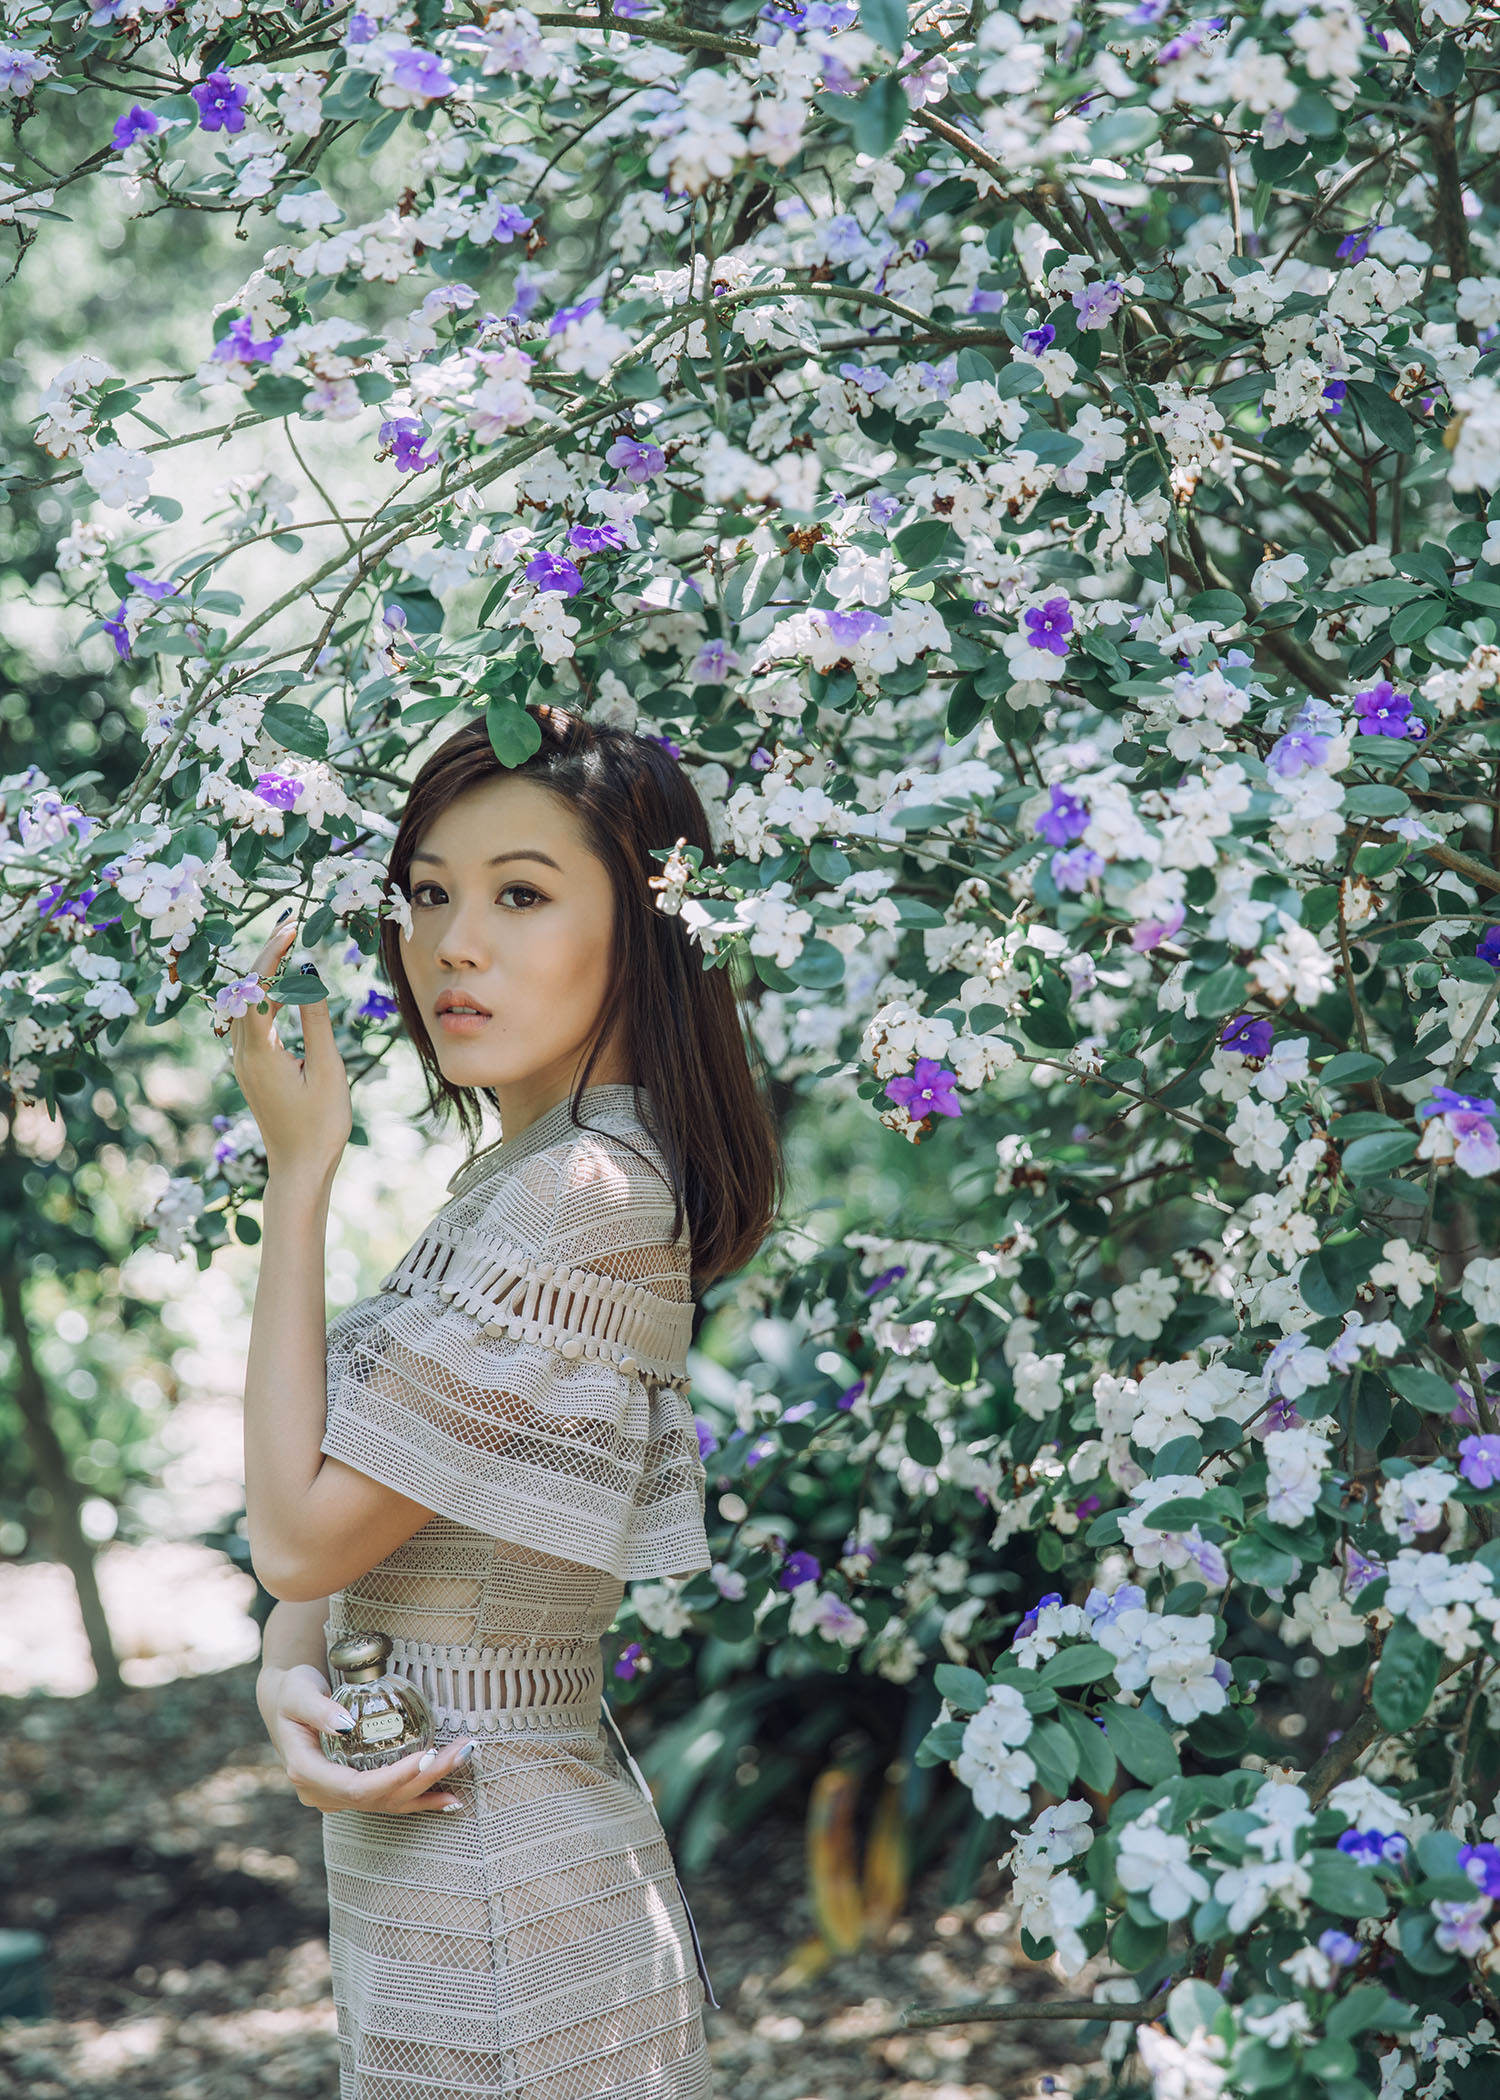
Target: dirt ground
179, 1884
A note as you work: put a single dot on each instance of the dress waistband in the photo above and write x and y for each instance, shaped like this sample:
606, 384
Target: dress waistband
537, 1684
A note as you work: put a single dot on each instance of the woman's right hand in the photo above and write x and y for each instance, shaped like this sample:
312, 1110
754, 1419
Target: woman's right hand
301, 1708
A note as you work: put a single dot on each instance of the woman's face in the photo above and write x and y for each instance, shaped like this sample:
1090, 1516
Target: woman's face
508, 959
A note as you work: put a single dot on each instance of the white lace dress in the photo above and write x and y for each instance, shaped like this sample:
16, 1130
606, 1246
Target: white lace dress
522, 1373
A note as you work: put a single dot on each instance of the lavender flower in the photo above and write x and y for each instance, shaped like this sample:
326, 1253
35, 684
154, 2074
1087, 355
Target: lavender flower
554, 572
417, 72
708, 1443
1049, 625
713, 663
596, 539
510, 222
1150, 933
1354, 247
1335, 394
1382, 710
854, 625
635, 458
868, 378
885, 1279
1341, 1949
376, 1006
1036, 340
882, 508
137, 123
627, 1659
849, 1395
1479, 1462
1444, 1102
1246, 1036
1374, 1845
1462, 1928
118, 632
221, 102
280, 790
1073, 872
1028, 1624
927, 1091
1488, 949
1098, 304
233, 1001
238, 347
1065, 818
406, 437
1482, 1865
566, 315
799, 1567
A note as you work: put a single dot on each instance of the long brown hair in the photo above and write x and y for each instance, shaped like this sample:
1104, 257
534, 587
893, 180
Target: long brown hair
678, 1022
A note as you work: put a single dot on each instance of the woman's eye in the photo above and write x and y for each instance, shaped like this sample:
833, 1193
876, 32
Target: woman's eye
426, 894
526, 890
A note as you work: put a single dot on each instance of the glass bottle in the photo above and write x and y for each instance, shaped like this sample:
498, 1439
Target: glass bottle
392, 1718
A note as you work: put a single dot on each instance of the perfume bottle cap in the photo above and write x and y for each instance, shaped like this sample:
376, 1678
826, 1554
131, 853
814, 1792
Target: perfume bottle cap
360, 1658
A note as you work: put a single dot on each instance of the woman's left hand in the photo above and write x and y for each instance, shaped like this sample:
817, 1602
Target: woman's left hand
300, 1103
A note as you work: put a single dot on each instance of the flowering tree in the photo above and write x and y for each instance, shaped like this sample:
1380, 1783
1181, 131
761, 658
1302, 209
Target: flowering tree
1033, 465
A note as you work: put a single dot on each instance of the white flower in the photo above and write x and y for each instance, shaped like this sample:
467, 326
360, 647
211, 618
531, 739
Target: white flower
1154, 1863
1170, 1652
1144, 1307
1257, 1134
1038, 1381
117, 475
1272, 582
1481, 1286
990, 1762
1405, 1270
1294, 965
1297, 1459
1416, 1502
1322, 1614
1190, 2070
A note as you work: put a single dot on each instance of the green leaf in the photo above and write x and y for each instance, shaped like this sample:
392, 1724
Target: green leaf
1221, 991
1386, 421
961, 1687
1254, 1560
1367, 2006
298, 728
1142, 1745
1192, 2004
1085, 1665
1417, 619
640, 382
1331, 1275
940, 1745
1405, 1677
1440, 66
922, 1441
1372, 1158
1424, 1389
1342, 1885
819, 966
513, 734
879, 116
302, 988
885, 21
919, 544
1055, 1754
1182, 1516
1349, 1068
1096, 1761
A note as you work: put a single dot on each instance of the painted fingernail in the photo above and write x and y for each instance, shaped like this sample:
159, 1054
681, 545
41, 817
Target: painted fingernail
286, 915
449, 1806
426, 1762
308, 970
343, 1722
464, 1757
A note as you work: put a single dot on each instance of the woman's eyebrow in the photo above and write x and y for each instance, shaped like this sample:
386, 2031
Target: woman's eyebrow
435, 860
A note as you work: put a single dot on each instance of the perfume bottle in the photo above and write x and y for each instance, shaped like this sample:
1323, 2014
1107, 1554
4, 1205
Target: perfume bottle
392, 1718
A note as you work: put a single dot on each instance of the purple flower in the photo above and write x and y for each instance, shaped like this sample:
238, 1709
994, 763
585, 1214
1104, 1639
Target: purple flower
886, 1277
1462, 1928
1152, 932
565, 315
1374, 1845
1065, 818
1028, 1624
928, 1091
1299, 751
713, 663
376, 1006
361, 29
1097, 304
1341, 1949
221, 102
1354, 247
1482, 1865
1445, 1102
672, 750
938, 379
596, 539
849, 1395
1214, 1569
635, 458
1488, 949
708, 1443
983, 302
1049, 625
238, 347
150, 589
280, 790
406, 437
510, 221
1036, 340
1073, 872
1104, 1609
854, 625
118, 632
883, 508
625, 1662
554, 572
799, 1567
1335, 394
1479, 1462
1382, 710
869, 378
20, 70
234, 1001
1359, 1569
421, 73
52, 904
137, 123
1246, 1036
527, 296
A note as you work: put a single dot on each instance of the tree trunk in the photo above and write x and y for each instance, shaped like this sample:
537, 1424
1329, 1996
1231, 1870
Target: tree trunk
51, 1465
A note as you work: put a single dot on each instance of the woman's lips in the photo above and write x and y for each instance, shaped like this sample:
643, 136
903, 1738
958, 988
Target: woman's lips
457, 1021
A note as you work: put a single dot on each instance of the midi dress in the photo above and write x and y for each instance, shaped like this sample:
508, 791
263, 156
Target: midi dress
522, 1374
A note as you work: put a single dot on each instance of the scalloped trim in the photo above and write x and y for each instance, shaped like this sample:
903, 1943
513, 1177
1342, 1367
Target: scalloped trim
577, 1312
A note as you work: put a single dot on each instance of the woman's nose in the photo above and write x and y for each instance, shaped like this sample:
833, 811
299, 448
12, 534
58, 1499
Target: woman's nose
461, 944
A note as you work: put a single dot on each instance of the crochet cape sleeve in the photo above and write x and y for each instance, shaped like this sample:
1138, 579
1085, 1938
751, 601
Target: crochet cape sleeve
523, 1369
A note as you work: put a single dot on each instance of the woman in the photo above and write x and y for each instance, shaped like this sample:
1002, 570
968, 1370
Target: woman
476, 1460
